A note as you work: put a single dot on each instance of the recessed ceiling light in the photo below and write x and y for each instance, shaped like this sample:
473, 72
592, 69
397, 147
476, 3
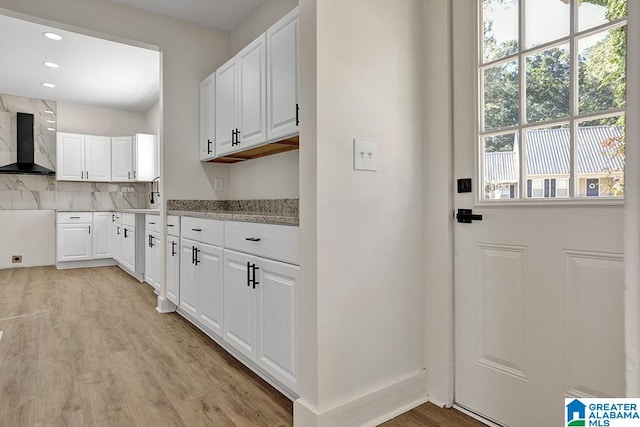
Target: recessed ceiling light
48, 111
52, 36
51, 64
48, 85
51, 129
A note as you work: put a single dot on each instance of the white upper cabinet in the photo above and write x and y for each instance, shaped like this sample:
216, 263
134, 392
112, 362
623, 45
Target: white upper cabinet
226, 109
207, 119
135, 158
83, 157
122, 164
252, 94
282, 78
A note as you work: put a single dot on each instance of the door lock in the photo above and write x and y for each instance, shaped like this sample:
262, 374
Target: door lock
466, 216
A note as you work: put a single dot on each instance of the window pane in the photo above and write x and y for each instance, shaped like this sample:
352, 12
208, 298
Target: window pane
501, 93
601, 73
591, 13
546, 21
501, 166
547, 80
601, 145
548, 160
500, 28
562, 188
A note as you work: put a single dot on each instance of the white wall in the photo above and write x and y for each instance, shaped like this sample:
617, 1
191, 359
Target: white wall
189, 53
266, 15
30, 233
369, 294
271, 177
76, 118
152, 117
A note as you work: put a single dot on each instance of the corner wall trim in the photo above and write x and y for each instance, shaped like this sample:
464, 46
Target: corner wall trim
369, 410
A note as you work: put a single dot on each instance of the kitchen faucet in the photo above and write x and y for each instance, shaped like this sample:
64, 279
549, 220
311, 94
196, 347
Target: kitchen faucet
155, 181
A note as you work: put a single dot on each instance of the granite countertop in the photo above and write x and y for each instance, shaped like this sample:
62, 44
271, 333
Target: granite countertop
261, 217
266, 211
140, 211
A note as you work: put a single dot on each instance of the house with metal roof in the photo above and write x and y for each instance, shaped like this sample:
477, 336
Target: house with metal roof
600, 163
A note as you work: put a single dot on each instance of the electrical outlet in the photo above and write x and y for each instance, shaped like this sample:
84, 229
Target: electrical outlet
16, 259
218, 184
365, 155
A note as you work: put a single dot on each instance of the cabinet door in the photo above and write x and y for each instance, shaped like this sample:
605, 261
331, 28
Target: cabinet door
150, 258
226, 108
97, 158
74, 242
101, 235
252, 92
116, 237
210, 287
129, 247
239, 303
145, 157
173, 269
70, 157
207, 119
188, 278
121, 159
276, 320
282, 77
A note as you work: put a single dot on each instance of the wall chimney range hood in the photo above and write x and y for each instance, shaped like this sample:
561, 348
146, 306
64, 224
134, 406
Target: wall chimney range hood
25, 150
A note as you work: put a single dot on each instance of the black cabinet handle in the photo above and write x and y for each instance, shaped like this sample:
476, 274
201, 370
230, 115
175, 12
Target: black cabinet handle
197, 261
255, 282
248, 273
208, 146
237, 136
129, 175
125, 232
89, 229
150, 241
113, 217
193, 254
74, 217
169, 225
134, 174
196, 229
152, 223
87, 174
253, 239
173, 249
117, 230
297, 114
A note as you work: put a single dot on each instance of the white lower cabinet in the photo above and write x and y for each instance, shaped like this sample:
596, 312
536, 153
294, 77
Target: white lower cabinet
173, 269
152, 252
128, 258
116, 236
74, 241
260, 315
101, 235
201, 283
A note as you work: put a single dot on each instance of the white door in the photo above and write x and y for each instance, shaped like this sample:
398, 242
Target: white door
210, 269
129, 247
252, 92
539, 280
74, 242
239, 303
188, 277
173, 269
97, 158
226, 107
207, 119
282, 77
276, 320
101, 235
70, 157
121, 159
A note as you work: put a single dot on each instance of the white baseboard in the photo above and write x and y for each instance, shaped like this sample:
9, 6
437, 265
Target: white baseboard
165, 306
369, 410
104, 262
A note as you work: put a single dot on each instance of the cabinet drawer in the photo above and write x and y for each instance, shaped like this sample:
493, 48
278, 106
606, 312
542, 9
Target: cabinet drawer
128, 219
278, 242
173, 225
208, 231
74, 217
152, 222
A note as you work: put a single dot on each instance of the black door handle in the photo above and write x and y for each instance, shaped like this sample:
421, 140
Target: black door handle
465, 216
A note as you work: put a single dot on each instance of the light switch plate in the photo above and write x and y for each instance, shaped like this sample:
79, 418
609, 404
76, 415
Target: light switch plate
218, 184
365, 155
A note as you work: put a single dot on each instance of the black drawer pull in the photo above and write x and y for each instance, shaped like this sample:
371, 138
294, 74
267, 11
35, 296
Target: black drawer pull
169, 225
74, 217
152, 223
253, 239
196, 229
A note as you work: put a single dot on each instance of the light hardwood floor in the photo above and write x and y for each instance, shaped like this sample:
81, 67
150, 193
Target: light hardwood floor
86, 347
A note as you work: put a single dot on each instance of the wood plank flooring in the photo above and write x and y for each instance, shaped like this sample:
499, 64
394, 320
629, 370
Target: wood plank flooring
86, 347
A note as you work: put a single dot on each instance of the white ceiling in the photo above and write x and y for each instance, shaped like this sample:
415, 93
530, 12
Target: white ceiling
92, 71
224, 15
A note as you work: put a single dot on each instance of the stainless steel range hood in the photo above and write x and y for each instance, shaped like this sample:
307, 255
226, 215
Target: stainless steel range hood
25, 150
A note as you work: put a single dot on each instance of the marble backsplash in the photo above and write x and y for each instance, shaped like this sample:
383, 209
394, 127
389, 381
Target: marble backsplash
44, 192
